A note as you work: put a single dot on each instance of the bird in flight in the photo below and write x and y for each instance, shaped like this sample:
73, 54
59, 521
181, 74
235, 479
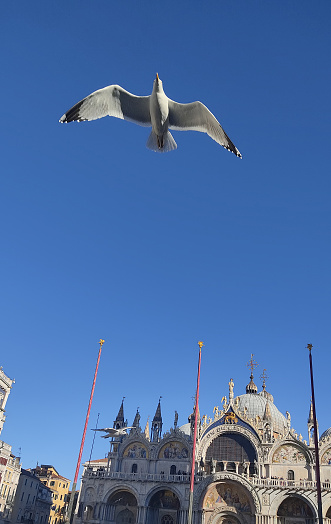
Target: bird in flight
112, 432
156, 111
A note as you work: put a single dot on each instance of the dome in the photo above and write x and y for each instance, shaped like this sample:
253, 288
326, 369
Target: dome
255, 404
186, 428
326, 434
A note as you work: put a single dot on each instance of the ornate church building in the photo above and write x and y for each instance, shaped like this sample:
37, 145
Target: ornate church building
251, 467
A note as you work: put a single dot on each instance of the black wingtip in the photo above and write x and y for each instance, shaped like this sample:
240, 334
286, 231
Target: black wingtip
73, 114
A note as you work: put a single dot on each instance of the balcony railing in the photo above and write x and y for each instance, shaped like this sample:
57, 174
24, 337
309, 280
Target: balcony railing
185, 479
282, 483
143, 477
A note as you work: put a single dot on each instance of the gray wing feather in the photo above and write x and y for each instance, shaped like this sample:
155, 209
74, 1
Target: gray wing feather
111, 101
197, 117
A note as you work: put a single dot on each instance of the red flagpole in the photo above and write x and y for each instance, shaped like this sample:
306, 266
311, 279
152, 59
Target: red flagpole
189, 519
317, 460
73, 489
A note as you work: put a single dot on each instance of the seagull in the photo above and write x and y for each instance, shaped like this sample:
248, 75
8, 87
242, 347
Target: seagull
112, 432
156, 111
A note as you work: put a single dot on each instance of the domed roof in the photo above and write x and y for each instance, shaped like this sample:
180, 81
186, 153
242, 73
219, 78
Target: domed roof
327, 433
254, 404
186, 428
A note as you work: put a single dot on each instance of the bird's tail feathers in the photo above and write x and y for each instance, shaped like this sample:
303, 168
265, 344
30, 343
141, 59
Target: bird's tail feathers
154, 144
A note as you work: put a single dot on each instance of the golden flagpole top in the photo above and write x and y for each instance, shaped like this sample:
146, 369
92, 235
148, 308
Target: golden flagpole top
200, 344
309, 346
101, 342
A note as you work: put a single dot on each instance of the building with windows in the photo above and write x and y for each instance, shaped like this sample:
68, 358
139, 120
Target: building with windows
10, 466
60, 488
33, 500
251, 467
5, 387
10, 473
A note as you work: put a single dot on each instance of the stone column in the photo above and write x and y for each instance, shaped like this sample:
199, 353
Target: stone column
225, 465
237, 467
141, 513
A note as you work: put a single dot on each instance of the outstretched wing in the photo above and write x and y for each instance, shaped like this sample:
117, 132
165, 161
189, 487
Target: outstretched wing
111, 101
197, 117
107, 430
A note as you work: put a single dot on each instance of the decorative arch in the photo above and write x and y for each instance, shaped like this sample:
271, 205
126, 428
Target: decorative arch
88, 512
226, 517
230, 429
174, 449
326, 456
165, 498
163, 506
230, 451
227, 478
122, 497
295, 507
125, 517
122, 506
120, 487
163, 487
281, 497
226, 495
289, 453
89, 495
136, 450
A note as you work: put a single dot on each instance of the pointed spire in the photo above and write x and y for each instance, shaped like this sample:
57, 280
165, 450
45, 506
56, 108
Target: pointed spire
147, 429
157, 423
135, 424
158, 416
311, 414
119, 421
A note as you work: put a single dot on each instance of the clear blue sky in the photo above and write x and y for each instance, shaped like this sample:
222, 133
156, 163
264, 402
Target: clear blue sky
102, 238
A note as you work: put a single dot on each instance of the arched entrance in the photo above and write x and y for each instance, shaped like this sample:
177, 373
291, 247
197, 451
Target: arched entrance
227, 503
163, 508
223, 518
294, 510
122, 507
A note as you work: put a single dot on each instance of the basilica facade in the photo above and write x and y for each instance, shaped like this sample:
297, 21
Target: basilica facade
251, 467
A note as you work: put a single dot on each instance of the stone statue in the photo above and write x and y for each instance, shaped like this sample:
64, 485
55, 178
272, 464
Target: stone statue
176, 420
231, 386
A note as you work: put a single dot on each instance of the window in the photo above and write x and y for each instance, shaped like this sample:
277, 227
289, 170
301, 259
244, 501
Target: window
27, 500
22, 497
173, 470
290, 474
25, 482
167, 519
134, 468
52, 483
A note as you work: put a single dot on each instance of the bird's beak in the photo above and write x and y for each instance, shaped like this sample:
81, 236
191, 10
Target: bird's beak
157, 77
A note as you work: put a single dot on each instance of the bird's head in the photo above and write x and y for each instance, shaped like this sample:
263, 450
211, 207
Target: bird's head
158, 83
